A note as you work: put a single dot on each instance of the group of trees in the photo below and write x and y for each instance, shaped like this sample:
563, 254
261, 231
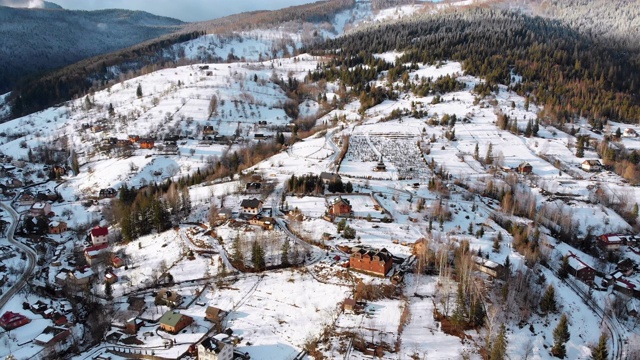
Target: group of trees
557, 63
154, 208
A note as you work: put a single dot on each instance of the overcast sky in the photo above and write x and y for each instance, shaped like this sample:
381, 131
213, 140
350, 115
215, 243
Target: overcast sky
185, 10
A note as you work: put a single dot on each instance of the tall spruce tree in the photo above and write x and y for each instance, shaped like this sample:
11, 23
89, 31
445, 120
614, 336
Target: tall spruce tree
601, 351
560, 337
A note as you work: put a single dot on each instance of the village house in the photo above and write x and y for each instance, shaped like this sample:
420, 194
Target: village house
57, 227
629, 132
525, 168
110, 278
212, 348
580, 269
40, 209
611, 241
99, 235
93, 254
267, 223
339, 207
173, 322
117, 262
51, 335
251, 206
107, 193
134, 138
80, 277
208, 130
168, 298
489, 267
59, 319
10, 320
327, 177
132, 326
147, 143
376, 262
591, 165
253, 188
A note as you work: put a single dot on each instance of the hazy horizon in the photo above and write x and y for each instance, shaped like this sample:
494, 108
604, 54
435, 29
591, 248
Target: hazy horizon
186, 10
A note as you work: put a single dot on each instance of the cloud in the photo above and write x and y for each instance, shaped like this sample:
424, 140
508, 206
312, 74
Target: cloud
31, 4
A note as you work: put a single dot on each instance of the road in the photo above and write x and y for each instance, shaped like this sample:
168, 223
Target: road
619, 348
31, 256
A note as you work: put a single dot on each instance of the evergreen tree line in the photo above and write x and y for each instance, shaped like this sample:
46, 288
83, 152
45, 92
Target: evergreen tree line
567, 72
154, 208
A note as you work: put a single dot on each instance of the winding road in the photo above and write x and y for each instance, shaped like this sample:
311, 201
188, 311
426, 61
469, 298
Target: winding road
31, 256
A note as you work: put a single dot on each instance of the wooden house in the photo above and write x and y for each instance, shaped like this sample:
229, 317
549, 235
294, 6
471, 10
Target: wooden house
591, 165
580, 269
372, 261
147, 143
340, 207
57, 227
251, 206
525, 168
173, 322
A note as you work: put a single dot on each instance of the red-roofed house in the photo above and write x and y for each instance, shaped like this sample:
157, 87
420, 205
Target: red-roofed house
99, 235
612, 241
10, 320
117, 262
580, 269
92, 253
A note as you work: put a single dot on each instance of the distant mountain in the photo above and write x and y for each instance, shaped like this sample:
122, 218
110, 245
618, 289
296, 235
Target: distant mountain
33, 41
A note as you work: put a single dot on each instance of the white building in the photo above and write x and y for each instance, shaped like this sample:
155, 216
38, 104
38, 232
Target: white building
213, 349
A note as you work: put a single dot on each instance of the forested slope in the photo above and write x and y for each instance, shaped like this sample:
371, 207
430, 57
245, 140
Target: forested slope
568, 72
37, 40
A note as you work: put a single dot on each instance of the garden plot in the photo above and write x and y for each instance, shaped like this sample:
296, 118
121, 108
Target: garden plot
312, 148
310, 206
363, 206
377, 324
274, 312
422, 336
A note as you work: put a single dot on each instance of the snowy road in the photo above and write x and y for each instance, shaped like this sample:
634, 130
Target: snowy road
31, 257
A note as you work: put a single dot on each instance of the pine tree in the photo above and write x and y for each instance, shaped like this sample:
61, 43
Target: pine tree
600, 352
548, 301
580, 148
634, 211
496, 245
108, 290
507, 266
139, 91
476, 152
563, 272
257, 256
348, 187
488, 158
536, 127
499, 347
529, 129
560, 337
236, 256
459, 316
284, 256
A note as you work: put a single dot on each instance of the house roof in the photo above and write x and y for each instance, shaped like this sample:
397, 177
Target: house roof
38, 206
213, 345
99, 231
592, 162
213, 311
251, 203
486, 263
383, 253
9, 317
340, 199
171, 318
613, 238
327, 176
